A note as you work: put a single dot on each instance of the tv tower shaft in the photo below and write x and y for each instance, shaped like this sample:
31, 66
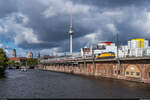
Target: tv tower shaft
70, 33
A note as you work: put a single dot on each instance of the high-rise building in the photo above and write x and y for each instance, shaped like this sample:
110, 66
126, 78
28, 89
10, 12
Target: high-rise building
14, 53
138, 43
138, 47
31, 55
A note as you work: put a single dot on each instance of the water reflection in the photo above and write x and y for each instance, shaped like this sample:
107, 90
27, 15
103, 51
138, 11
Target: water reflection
2, 75
46, 84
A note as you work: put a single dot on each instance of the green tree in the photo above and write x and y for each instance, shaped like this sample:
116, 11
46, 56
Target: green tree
3, 61
17, 63
32, 62
11, 63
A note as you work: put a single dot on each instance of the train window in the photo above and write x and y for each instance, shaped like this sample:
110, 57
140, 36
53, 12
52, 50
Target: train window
118, 72
127, 73
149, 74
137, 73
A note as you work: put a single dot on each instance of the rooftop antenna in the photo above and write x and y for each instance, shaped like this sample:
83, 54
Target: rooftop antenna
70, 32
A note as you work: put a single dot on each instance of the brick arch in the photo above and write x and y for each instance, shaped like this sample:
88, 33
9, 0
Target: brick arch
133, 71
138, 66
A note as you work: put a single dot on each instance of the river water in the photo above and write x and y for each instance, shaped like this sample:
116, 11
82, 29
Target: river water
46, 84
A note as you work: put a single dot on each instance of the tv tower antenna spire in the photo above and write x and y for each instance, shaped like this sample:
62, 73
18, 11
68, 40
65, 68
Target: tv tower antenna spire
71, 17
70, 32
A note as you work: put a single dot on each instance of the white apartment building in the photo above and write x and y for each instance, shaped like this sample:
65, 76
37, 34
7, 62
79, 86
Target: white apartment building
106, 47
86, 52
136, 47
138, 43
123, 51
100, 48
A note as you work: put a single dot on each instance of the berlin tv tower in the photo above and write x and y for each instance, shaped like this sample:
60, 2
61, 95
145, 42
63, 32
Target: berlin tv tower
70, 32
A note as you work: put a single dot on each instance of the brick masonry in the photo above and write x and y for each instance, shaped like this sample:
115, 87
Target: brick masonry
108, 69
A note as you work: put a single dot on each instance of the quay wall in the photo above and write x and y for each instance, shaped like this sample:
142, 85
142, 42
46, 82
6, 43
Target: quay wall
132, 70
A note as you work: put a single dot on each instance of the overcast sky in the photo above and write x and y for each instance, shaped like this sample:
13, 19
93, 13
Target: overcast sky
33, 25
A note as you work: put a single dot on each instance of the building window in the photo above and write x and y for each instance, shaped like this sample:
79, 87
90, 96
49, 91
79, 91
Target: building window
137, 73
112, 71
149, 74
115, 71
118, 72
132, 73
80, 71
127, 73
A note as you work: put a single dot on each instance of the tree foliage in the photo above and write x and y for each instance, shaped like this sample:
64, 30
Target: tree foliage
32, 61
13, 63
3, 60
17, 64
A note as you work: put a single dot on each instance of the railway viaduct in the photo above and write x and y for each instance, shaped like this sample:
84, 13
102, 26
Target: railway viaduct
133, 69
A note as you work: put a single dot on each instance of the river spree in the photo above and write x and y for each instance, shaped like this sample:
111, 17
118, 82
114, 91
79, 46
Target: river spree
46, 84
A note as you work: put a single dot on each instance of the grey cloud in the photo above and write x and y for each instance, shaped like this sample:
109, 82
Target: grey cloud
95, 18
113, 3
7, 7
